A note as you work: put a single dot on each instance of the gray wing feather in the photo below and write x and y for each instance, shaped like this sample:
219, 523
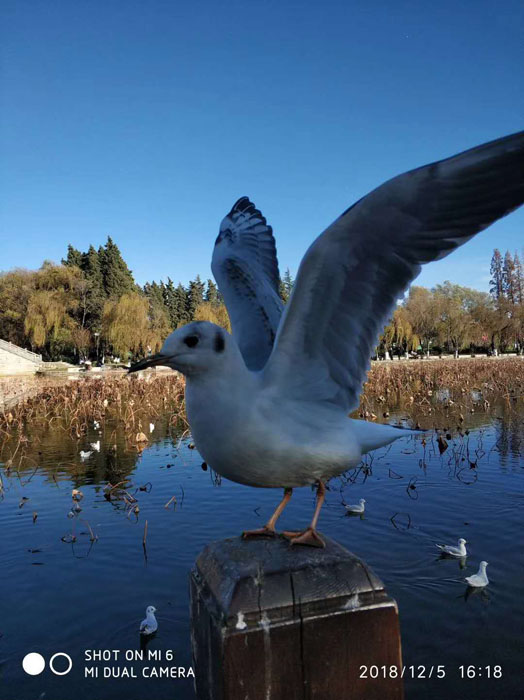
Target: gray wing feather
245, 267
352, 275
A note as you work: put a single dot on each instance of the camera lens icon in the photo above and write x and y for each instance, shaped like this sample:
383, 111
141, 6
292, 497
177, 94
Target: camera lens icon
34, 663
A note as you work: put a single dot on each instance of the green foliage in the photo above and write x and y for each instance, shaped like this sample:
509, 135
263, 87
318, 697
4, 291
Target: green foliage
195, 296
90, 305
117, 278
74, 257
212, 294
286, 285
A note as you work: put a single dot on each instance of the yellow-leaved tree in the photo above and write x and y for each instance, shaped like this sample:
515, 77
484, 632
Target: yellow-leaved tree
130, 325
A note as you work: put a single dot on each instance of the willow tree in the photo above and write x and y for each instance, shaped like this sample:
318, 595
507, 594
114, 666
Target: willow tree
421, 307
129, 325
48, 318
16, 288
216, 313
399, 333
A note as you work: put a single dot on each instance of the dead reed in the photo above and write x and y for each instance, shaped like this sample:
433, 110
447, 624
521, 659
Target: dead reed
75, 406
418, 380
132, 401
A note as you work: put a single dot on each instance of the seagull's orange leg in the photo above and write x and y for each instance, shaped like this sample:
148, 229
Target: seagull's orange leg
310, 536
269, 528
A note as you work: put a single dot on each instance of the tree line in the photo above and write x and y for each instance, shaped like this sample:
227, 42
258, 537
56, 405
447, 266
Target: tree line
90, 306
451, 318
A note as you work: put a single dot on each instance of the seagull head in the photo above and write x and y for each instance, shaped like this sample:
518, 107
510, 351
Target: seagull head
362, 501
483, 564
462, 541
150, 610
192, 349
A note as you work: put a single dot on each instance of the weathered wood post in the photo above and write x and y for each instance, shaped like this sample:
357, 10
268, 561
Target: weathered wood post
276, 622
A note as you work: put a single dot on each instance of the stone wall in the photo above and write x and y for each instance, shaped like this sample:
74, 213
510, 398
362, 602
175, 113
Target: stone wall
15, 360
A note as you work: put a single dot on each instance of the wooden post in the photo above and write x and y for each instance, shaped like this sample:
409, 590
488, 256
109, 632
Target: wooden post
276, 622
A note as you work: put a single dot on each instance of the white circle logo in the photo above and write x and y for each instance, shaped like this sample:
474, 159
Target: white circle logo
33, 663
66, 656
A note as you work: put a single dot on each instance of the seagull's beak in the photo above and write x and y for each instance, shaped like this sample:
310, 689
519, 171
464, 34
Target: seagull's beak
151, 361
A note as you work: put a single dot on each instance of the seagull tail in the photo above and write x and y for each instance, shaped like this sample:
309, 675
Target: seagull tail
372, 435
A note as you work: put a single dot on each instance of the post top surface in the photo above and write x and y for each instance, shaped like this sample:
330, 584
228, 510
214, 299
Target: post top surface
263, 575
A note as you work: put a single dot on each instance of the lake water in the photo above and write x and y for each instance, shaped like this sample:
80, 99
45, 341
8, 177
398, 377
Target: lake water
62, 596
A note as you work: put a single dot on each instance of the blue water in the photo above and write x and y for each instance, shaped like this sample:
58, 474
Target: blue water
59, 596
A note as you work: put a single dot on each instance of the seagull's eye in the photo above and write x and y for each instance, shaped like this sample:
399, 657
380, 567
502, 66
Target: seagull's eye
191, 341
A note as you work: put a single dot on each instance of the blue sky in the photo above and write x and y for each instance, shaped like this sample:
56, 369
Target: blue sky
147, 120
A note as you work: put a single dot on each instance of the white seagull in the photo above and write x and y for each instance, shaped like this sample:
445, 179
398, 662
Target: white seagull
480, 579
149, 623
269, 405
85, 455
453, 551
96, 445
359, 507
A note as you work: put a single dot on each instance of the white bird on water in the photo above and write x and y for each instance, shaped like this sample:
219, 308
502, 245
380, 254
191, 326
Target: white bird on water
453, 551
357, 508
269, 405
96, 445
85, 455
480, 579
149, 624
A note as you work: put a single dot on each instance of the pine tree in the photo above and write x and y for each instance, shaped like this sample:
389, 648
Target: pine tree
508, 278
212, 293
519, 279
117, 277
497, 279
96, 295
158, 312
171, 302
181, 305
286, 285
195, 296
154, 292
74, 257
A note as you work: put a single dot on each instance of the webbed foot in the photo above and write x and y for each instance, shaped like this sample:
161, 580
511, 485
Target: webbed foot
261, 532
308, 537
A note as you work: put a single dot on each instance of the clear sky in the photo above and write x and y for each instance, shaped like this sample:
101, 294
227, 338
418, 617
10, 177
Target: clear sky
147, 120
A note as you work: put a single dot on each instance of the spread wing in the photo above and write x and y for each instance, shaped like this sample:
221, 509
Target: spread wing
352, 275
245, 267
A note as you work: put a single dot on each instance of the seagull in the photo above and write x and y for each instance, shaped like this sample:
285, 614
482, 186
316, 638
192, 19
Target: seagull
149, 623
453, 551
151, 427
95, 445
268, 406
358, 508
85, 455
96, 425
480, 579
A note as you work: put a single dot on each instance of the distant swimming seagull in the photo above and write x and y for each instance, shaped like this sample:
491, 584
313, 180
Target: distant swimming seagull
479, 579
149, 623
453, 551
357, 508
85, 455
269, 405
